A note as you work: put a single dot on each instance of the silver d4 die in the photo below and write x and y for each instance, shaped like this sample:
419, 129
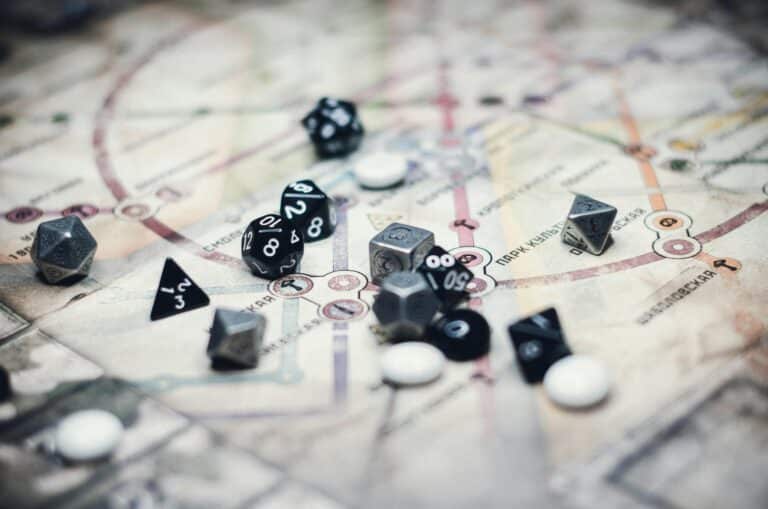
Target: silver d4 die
588, 225
398, 247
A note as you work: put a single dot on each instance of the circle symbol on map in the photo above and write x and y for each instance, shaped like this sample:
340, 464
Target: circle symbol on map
668, 223
168, 194
640, 151
663, 221
23, 214
684, 247
468, 258
294, 285
134, 211
83, 210
344, 310
477, 285
345, 282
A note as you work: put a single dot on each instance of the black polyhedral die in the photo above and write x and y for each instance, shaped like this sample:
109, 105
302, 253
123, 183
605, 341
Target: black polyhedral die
5, 385
309, 209
272, 246
447, 277
333, 127
461, 334
539, 342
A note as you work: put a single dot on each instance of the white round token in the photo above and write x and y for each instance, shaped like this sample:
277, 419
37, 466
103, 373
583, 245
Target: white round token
380, 170
88, 435
577, 381
411, 363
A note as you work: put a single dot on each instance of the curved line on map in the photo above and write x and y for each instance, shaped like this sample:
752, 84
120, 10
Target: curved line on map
113, 183
104, 163
723, 228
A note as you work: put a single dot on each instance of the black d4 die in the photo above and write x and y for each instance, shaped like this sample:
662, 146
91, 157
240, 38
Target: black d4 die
447, 277
333, 127
272, 246
309, 209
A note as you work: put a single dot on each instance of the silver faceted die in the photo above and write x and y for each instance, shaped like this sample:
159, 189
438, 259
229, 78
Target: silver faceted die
405, 305
588, 225
236, 337
398, 247
63, 250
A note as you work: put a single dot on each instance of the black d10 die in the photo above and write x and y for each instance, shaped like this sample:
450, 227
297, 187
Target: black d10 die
539, 342
461, 334
333, 127
272, 246
446, 276
309, 209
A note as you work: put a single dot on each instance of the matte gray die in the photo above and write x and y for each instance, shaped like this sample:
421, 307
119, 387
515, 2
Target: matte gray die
398, 247
63, 250
588, 225
405, 305
236, 337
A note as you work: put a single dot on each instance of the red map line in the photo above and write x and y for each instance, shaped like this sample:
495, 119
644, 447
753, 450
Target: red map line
718, 231
106, 169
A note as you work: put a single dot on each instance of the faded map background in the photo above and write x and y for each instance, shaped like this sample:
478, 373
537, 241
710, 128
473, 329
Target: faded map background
169, 125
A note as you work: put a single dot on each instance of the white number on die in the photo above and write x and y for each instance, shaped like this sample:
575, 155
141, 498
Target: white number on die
270, 248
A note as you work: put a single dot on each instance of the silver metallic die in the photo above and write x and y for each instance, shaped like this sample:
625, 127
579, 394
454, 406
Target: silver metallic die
63, 250
236, 337
588, 225
398, 247
405, 305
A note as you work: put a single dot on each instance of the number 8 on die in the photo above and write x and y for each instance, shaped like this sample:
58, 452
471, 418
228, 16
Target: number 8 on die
272, 246
311, 210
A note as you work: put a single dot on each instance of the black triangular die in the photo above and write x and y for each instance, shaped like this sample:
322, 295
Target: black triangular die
176, 293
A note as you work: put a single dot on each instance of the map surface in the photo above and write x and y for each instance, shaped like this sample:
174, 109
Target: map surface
169, 126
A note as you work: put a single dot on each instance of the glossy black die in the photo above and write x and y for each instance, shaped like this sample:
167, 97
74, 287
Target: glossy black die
461, 334
333, 127
539, 342
447, 277
312, 211
272, 246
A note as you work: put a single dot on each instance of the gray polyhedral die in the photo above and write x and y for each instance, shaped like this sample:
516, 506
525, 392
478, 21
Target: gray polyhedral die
398, 247
236, 337
588, 225
63, 250
405, 305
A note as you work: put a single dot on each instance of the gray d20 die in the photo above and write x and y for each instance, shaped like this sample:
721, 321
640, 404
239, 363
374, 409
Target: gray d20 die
588, 226
63, 250
236, 337
405, 305
398, 247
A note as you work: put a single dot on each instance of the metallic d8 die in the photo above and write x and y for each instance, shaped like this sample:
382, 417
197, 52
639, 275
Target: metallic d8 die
398, 247
588, 225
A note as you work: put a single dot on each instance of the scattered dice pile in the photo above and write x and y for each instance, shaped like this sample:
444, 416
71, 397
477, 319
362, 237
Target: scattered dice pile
422, 287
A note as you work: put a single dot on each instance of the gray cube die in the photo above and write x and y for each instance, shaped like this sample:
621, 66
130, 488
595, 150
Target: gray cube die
398, 247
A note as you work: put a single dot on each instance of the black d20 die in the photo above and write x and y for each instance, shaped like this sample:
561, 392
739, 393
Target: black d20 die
333, 127
446, 276
311, 210
539, 342
272, 246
